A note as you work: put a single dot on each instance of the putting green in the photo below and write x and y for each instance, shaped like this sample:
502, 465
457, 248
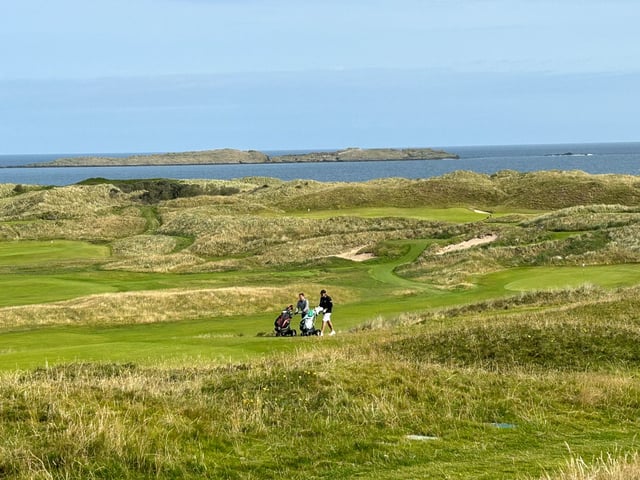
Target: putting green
541, 278
22, 253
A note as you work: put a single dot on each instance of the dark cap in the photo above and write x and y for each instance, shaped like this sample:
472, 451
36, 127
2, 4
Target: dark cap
322, 291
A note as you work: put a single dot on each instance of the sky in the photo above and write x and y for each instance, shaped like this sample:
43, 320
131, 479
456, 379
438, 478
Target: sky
113, 76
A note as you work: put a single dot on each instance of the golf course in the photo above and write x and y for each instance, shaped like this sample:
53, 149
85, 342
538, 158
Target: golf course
487, 328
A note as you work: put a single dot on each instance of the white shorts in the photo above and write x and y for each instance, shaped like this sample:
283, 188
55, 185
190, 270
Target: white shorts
326, 317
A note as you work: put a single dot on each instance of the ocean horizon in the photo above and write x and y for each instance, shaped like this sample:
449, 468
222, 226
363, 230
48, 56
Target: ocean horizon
594, 158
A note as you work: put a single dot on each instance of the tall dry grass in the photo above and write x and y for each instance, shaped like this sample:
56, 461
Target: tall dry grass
128, 308
62, 202
279, 240
106, 227
75, 212
607, 467
252, 223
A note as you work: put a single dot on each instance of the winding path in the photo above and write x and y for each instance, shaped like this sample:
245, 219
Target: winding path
385, 272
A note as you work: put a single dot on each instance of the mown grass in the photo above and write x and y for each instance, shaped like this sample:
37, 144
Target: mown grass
138, 344
458, 215
39, 253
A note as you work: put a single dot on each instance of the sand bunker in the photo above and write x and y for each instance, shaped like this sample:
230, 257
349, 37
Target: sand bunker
468, 244
354, 255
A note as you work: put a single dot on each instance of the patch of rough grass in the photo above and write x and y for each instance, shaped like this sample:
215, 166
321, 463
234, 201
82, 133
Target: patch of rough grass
533, 299
545, 190
159, 263
143, 244
403, 320
455, 189
531, 190
9, 189
75, 212
108, 226
626, 238
606, 467
452, 270
224, 205
555, 346
586, 217
62, 202
96, 228
79, 431
152, 253
283, 240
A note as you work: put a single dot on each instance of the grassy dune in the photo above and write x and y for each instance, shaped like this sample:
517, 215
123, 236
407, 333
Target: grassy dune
136, 328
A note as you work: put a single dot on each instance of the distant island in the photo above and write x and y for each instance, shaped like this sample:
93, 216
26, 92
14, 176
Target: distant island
569, 154
232, 156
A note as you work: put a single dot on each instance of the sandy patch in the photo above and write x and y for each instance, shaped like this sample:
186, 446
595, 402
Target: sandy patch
354, 255
468, 244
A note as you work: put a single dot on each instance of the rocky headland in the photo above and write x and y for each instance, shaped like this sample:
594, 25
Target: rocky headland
232, 156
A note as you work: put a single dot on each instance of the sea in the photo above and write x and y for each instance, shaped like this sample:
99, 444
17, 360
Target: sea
595, 158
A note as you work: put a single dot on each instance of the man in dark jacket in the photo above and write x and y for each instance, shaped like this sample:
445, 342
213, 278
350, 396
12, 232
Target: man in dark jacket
327, 306
302, 307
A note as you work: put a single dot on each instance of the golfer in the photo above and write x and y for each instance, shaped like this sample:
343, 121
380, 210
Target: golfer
302, 307
327, 306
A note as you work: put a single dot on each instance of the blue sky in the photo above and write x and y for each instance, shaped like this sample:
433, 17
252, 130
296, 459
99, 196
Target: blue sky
80, 76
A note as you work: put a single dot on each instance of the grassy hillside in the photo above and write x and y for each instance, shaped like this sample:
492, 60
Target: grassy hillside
486, 328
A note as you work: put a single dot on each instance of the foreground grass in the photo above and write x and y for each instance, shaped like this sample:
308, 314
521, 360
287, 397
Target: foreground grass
368, 405
501, 389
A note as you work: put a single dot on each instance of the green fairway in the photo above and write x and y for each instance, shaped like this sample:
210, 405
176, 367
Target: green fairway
28, 288
216, 340
236, 338
39, 253
456, 215
21, 289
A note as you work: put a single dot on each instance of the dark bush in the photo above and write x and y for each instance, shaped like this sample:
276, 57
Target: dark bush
157, 190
